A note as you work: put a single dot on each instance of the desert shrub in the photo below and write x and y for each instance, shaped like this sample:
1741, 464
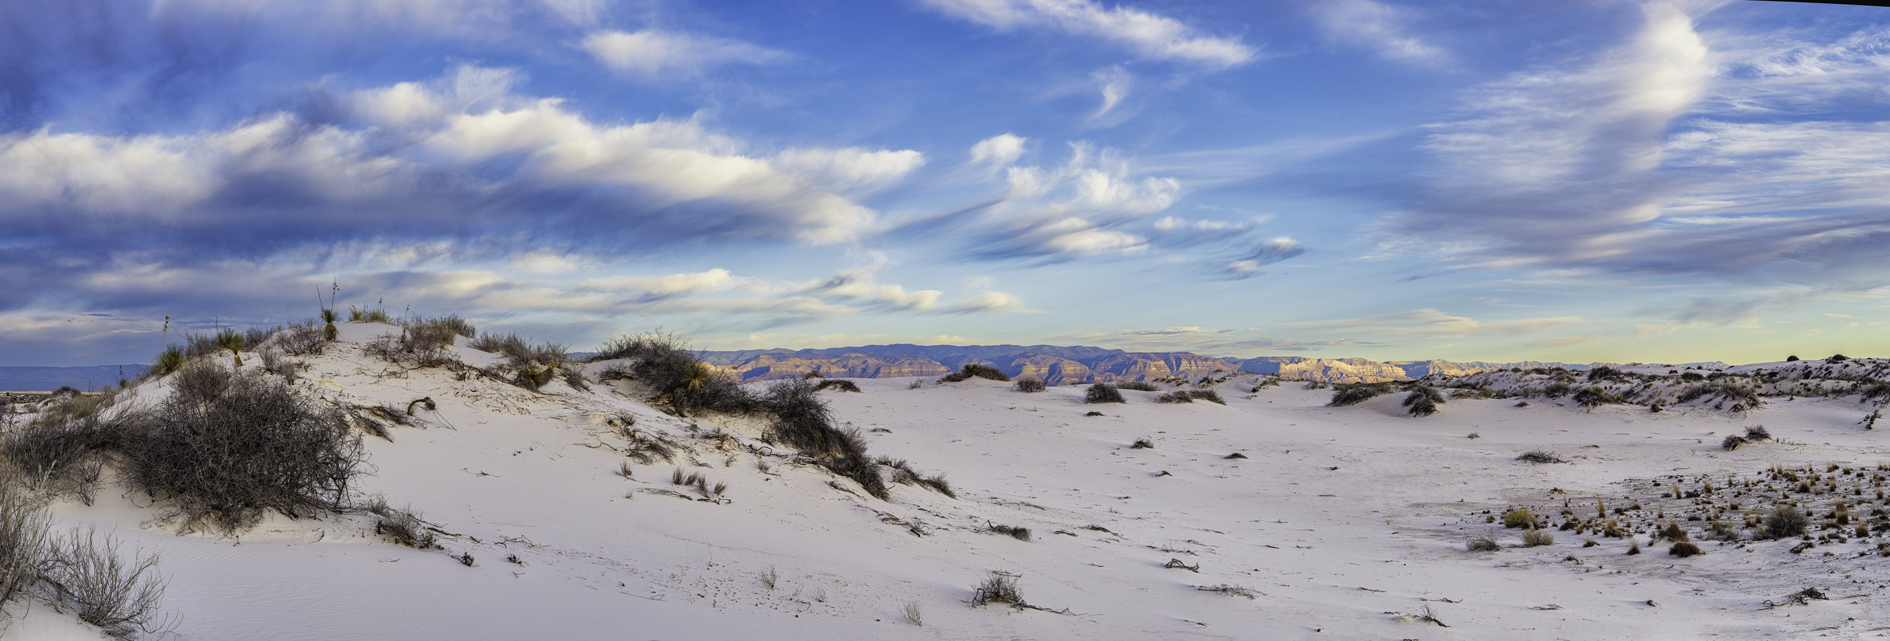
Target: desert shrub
803, 422
449, 326
255, 336
936, 483
1605, 373
677, 376
1208, 395
1537, 538
1684, 549
1742, 398
646, 449
999, 587
1539, 456
23, 526
404, 527
1101, 393
1175, 397
1140, 386
518, 351
300, 338
1732, 442
1593, 396
912, 614
1030, 385
200, 381
1757, 433
974, 370
837, 384
1142, 444
363, 315
168, 361
1481, 544
1519, 518
256, 447
1423, 400
1673, 531
1837, 358
1354, 393
1792, 358
411, 348
116, 593
199, 344
64, 457
1784, 521
1019, 533
574, 377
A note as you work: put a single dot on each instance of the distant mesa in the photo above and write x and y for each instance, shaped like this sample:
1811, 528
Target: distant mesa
1057, 365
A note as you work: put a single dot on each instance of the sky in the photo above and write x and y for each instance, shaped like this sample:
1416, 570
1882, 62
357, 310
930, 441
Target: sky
1601, 180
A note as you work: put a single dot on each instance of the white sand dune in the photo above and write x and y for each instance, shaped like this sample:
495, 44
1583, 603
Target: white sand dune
1345, 523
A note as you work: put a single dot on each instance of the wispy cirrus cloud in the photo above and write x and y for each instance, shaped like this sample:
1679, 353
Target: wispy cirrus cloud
1202, 341
1431, 322
1669, 156
1149, 34
1378, 26
651, 53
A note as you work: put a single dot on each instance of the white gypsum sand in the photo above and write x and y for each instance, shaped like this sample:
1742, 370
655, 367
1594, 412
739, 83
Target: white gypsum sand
1346, 522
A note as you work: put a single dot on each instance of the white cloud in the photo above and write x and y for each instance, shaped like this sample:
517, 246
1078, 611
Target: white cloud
1071, 210
1149, 34
848, 170
999, 150
1115, 84
651, 53
1373, 24
1430, 322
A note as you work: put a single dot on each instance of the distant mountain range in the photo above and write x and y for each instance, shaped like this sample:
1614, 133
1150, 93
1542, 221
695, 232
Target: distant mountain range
46, 379
1052, 364
1058, 365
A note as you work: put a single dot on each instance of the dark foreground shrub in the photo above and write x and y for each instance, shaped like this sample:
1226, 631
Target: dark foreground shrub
1481, 544
975, 370
840, 384
1190, 396
23, 525
1732, 442
1757, 433
256, 447
1175, 397
1684, 549
201, 381
1423, 400
1539, 457
999, 587
1101, 393
66, 456
1355, 393
1593, 396
1030, 385
116, 593
803, 422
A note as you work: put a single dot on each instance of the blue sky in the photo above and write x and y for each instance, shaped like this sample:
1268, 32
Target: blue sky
1588, 181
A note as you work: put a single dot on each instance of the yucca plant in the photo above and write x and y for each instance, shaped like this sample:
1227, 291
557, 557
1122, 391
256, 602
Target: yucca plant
168, 361
329, 316
230, 340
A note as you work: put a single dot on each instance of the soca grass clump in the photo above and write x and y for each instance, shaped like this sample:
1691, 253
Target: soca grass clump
533, 364
802, 421
975, 370
1354, 393
1102, 393
1189, 396
837, 384
1423, 400
1030, 385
